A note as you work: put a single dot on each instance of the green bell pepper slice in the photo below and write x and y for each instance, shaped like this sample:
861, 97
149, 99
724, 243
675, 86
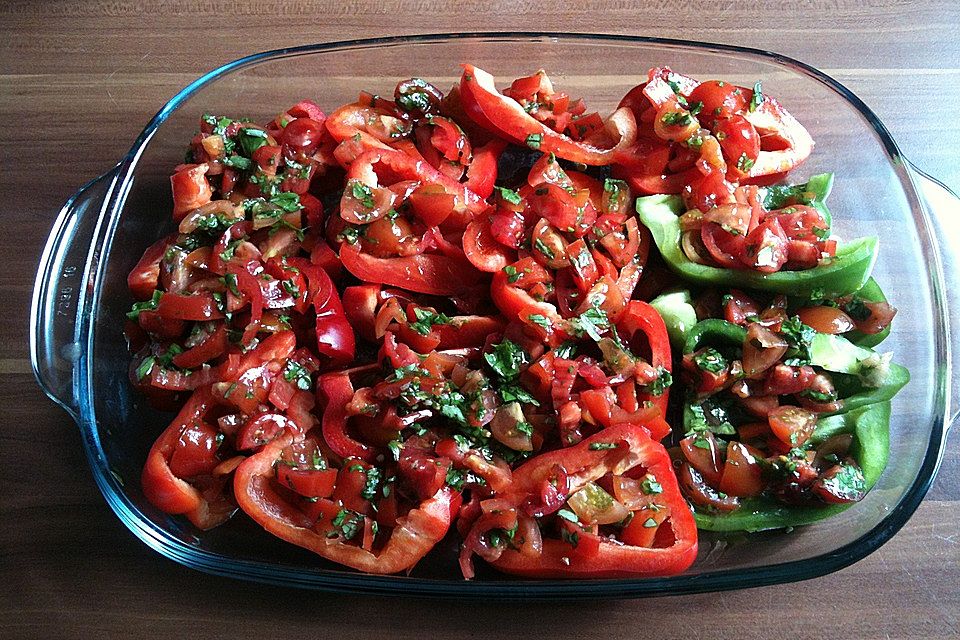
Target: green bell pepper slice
870, 427
869, 377
847, 272
679, 316
714, 329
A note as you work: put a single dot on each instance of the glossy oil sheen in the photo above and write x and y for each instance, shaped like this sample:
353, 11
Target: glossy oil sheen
873, 195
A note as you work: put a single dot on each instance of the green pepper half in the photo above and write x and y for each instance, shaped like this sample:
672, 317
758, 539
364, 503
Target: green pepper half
845, 273
869, 377
870, 427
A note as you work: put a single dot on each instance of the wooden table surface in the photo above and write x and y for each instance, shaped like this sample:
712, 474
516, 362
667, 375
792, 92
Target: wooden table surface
77, 82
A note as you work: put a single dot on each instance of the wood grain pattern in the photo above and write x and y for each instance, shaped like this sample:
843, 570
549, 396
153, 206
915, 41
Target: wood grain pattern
77, 82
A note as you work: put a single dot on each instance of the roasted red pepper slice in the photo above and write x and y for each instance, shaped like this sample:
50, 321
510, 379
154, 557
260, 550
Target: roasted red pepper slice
623, 450
413, 535
506, 117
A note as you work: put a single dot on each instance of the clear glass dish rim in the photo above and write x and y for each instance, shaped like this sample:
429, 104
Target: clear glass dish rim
218, 564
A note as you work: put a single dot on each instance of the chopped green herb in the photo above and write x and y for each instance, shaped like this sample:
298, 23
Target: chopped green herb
363, 193
349, 522
146, 366
856, 309
374, 476
661, 384
506, 359
676, 118
230, 280
600, 446
509, 195
566, 350
757, 98
237, 162
615, 188
395, 446
591, 322
426, 319
570, 537
650, 486
534, 140
710, 360
568, 515
540, 320
544, 249
298, 374
799, 336
148, 305
251, 139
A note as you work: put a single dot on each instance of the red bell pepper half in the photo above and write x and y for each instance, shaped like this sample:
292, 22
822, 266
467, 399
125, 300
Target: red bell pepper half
506, 117
627, 452
414, 534
187, 448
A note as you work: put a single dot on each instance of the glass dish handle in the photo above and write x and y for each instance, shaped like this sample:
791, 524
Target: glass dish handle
943, 207
54, 314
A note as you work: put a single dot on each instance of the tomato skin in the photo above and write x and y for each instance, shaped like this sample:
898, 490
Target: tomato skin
739, 307
881, 315
508, 227
143, 279
742, 474
196, 450
765, 248
261, 429
792, 425
740, 143
190, 189
720, 100
482, 249
310, 483
704, 455
303, 135
198, 307
482, 172
710, 190
556, 205
212, 347
432, 204
826, 319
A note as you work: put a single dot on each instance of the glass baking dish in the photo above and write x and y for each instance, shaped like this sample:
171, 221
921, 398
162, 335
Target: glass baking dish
80, 358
